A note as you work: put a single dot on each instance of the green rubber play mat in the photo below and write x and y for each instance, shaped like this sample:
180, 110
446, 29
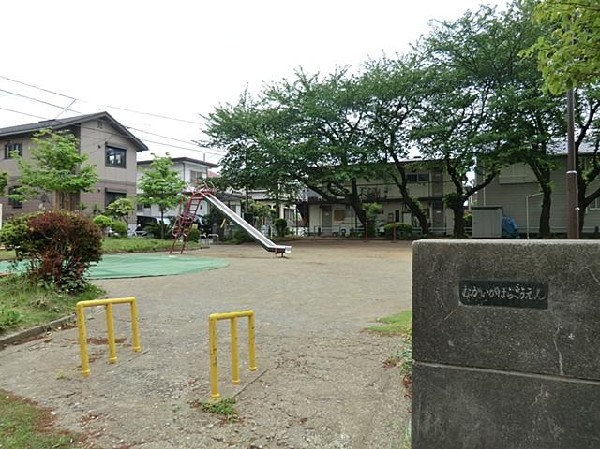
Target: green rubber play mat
131, 265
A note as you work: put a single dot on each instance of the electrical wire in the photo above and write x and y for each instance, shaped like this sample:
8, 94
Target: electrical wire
151, 114
195, 148
73, 100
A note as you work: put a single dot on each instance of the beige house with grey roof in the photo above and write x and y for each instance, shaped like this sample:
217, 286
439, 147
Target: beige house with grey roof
110, 147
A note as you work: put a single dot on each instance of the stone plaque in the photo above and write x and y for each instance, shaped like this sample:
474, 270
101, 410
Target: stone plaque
527, 295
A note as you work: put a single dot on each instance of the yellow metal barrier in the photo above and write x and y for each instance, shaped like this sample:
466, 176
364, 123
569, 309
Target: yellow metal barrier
107, 303
212, 337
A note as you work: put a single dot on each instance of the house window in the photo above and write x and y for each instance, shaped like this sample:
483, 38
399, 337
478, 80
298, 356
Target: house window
339, 214
595, 205
196, 176
15, 204
516, 174
116, 157
11, 148
110, 196
417, 177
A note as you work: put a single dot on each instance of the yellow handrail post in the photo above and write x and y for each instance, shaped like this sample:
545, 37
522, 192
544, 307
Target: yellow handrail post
213, 318
135, 327
251, 344
108, 305
85, 362
110, 326
214, 369
235, 369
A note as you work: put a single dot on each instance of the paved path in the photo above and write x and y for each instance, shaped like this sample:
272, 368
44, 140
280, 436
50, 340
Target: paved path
321, 381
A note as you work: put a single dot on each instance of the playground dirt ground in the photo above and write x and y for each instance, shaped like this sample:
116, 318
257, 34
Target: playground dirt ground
321, 382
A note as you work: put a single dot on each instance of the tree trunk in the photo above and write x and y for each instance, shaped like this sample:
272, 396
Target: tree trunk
582, 204
544, 229
357, 204
413, 205
459, 221
414, 208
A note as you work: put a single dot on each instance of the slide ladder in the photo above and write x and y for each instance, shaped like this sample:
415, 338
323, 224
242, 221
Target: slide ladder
189, 206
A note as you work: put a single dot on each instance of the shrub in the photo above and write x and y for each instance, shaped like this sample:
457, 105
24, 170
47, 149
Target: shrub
58, 246
240, 236
194, 235
403, 231
103, 222
9, 318
119, 229
281, 227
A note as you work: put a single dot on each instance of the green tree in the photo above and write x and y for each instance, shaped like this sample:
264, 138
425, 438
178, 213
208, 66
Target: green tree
3, 182
57, 168
465, 71
568, 53
120, 209
396, 92
528, 119
161, 185
308, 131
587, 137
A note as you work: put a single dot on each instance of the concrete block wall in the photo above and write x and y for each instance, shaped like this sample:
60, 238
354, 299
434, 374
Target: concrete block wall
506, 344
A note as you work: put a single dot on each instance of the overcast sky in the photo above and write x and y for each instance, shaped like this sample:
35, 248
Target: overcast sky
181, 59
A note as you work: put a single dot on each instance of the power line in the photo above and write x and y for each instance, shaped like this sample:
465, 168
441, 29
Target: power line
38, 100
23, 113
151, 114
195, 149
63, 109
36, 87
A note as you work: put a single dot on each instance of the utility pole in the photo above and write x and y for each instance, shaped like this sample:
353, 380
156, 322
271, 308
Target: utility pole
572, 209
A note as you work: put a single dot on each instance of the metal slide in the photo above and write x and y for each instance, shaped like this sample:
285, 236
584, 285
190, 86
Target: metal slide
255, 233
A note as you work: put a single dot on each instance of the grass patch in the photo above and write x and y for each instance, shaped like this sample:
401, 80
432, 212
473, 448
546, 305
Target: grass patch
23, 425
7, 255
141, 245
24, 305
223, 407
396, 324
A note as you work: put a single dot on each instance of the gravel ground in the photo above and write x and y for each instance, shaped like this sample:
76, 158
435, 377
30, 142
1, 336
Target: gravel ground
320, 383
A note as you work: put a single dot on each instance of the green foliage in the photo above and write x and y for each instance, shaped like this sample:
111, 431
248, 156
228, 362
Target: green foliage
102, 221
120, 209
240, 236
403, 231
373, 210
300, 132
160, 184
397, 324
37, 304
160, 230
140, 245
9, 318
194, 235
281, 227
58, 247
3, 182
568, 52
119, 229
223, 407
24, 425
57, 166
259, 210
